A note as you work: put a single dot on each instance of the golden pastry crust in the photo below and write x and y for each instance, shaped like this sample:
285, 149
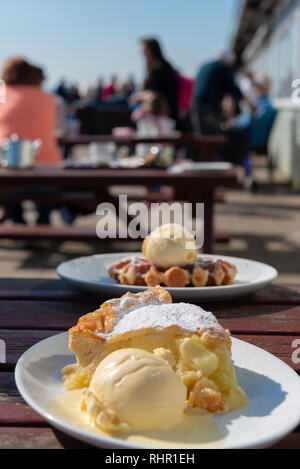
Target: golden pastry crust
99, 324
203, 272
102, 320
87, 339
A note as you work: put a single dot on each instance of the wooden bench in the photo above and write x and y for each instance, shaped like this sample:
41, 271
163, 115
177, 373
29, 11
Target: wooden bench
85, 201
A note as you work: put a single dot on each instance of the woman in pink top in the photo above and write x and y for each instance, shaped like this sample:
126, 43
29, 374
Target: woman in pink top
29, 111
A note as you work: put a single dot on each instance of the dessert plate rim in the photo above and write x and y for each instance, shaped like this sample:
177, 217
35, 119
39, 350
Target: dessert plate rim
73, 272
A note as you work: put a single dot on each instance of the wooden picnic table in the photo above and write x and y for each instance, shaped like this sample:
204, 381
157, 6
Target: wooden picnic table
191, 186
32, 310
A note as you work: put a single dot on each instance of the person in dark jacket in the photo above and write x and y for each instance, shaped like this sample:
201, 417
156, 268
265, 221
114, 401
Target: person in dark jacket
214, 81
264, 115
161, 77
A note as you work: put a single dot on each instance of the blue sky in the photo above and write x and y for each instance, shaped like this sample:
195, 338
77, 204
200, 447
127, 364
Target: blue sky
84, 39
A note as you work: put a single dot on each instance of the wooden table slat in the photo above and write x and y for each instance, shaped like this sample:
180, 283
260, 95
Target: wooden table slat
40, 289
13, 409
178, 139
18, 341
291, 441
280, 346
57, 315
37, 438
276, 294
91, 178
61, 315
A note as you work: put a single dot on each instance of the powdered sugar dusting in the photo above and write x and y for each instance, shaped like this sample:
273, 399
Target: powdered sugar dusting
127, 304
186, 316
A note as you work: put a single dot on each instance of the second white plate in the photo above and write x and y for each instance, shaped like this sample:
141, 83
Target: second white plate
91, 273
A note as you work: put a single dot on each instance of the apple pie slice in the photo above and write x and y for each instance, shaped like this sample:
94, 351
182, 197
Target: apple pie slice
190, 339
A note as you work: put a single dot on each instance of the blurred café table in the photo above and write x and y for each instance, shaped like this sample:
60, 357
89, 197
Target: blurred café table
205, 146
34, 309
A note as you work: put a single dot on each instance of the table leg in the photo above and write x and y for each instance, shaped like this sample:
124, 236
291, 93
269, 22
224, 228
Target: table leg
209, 153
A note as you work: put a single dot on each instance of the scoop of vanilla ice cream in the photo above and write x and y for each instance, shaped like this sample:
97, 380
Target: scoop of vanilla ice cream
170, 245
135, 390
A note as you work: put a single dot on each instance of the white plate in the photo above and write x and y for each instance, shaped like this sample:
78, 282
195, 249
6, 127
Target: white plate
272, 387
91, 273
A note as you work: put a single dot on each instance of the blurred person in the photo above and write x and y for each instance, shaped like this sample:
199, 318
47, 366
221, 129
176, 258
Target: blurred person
99, 90
73, 94
153, 114
120, 96
62, 90
88, 93
232, 115
30, 113
246, 84
186, 87
264, 115
161, 77
129, 86
236, 125
152, 119
214, 80
109, 89
91, 95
